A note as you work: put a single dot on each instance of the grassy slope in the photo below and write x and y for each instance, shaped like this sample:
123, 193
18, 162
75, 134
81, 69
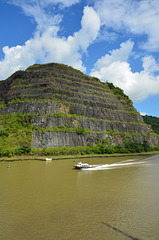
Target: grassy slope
74, 157
153, 121
15, 132
16, 129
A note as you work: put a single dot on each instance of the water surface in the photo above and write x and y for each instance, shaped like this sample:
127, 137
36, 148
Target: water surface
117, 200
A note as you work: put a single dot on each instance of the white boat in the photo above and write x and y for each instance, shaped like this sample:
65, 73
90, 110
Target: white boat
81, 165
48, 159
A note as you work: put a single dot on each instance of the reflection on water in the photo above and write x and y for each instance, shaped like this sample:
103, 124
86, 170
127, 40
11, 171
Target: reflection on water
49, 200
123, 233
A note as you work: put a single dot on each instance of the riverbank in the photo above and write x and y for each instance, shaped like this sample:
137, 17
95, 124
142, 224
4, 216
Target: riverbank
74, 157
44, 199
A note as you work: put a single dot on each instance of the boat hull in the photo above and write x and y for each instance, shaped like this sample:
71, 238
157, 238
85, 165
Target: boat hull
78, 167
82, 166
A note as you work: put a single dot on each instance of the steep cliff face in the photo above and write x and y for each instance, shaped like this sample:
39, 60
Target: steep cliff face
72, 109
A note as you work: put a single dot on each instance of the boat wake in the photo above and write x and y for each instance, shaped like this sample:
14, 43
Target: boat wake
122, 164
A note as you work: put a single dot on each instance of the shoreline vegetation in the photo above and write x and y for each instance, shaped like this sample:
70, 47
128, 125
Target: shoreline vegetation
75, 157
98, 149
55, 100
16, 136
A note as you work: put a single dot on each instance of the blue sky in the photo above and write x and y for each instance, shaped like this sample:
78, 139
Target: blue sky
114, 40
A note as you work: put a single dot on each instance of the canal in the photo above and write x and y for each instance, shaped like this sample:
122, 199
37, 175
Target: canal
116, 200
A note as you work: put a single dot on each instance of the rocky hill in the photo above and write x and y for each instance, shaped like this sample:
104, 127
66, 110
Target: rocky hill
68, 108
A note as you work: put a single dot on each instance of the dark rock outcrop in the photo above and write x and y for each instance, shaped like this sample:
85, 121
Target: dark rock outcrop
63, 99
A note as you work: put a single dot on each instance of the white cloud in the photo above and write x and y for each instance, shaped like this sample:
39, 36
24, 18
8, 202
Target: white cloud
121, 54
43, 11
133, 16
90, 27
150, 64
48, 47
15, 60
143, 113
115, 68
42, 3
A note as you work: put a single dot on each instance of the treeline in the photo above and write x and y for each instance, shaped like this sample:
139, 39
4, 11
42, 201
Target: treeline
153, 121
118, 91
16, 135
130, 147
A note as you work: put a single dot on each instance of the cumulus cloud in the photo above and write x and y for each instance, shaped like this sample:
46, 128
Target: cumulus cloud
43, 12
121, 54
115, 68
133, 16
43, 4
150, 64
110, 18
48, 47
90, 26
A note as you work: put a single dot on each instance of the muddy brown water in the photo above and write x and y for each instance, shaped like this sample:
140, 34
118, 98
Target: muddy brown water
116, 200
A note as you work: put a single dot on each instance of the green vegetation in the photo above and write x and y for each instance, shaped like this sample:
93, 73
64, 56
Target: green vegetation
69, 91
60, 88
92, 118
69, 103
15, 134
118, 91
1, 103
82, 131
153, 121
132, 147
129, 148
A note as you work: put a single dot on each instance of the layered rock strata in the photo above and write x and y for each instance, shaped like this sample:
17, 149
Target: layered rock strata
72, 109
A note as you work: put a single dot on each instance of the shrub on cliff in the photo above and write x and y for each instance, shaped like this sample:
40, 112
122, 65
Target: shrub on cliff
153, 121
4, 132
25, 149
80, 130
134, 147
15, 134
118, 91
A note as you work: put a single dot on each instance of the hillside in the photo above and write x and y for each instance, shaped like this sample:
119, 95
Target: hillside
53, 105
153, 122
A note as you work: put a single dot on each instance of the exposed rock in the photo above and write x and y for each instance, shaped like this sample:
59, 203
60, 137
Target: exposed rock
60, 96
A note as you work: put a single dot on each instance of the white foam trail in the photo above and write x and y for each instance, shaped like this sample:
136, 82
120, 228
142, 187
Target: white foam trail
113, 165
